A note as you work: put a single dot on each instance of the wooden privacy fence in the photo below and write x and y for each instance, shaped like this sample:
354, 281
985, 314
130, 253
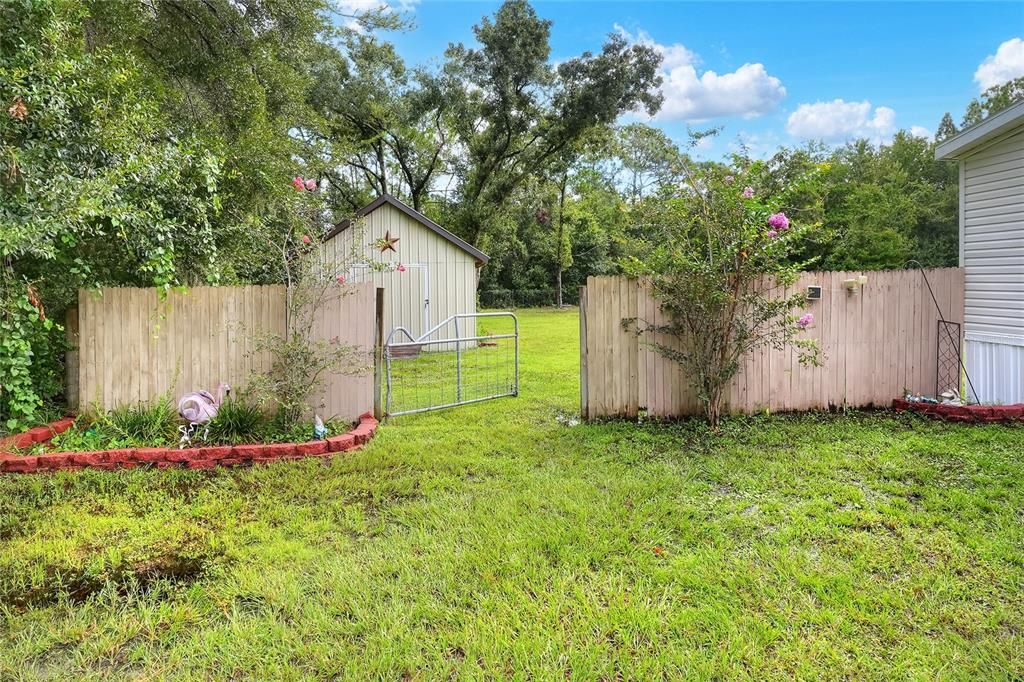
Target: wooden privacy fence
134, 347
877, 341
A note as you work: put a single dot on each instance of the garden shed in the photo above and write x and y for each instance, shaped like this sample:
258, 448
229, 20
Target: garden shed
430, 274
991, 158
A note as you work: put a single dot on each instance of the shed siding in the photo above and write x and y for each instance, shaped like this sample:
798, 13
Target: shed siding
451, 273
993, 257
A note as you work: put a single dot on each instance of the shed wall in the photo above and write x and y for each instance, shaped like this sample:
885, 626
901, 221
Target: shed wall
437, 271
992, 232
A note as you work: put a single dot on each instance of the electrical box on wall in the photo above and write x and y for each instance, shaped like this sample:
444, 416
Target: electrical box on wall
813, 292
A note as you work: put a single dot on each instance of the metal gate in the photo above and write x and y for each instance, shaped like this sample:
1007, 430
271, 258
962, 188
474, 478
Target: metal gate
454, 363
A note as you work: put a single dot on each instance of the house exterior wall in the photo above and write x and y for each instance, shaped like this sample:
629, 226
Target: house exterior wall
992, 254
440, 279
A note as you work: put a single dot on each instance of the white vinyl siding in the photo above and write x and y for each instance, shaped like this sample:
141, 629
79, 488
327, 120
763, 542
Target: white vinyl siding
993, 240
433, 263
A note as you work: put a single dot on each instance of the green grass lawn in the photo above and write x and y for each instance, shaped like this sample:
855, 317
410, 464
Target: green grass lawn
497, 541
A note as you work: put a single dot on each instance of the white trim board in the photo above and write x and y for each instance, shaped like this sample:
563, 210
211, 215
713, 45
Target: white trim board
988, 337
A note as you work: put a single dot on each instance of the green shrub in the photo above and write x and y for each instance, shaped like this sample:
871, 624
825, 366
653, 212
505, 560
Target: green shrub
237, 421
144, 424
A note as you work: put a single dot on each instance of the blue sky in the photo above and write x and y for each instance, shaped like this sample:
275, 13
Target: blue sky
780, 73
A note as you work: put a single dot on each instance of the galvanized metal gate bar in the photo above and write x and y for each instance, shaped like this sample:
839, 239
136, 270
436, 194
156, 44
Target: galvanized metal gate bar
412, 347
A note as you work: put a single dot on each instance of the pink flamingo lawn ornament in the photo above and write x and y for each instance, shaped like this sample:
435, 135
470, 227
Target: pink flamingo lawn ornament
199, 408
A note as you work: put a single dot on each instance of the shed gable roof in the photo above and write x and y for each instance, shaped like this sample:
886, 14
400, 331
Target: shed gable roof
415, 215
967, 141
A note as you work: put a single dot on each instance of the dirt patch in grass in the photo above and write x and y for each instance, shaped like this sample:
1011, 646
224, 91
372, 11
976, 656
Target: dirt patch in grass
77, 585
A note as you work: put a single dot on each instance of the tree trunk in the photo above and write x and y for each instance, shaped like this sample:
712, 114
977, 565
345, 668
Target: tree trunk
558, 235
713, 410
382, 167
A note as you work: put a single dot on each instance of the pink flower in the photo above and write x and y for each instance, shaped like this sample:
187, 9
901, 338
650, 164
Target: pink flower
311, 184
748, 192
773, 234
400, 268
297, 183
306, 239
805, 320
341, 279
778, 221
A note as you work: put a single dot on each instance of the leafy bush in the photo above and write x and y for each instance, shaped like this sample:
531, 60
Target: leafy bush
302, 362
718, 258
86, 435
237, 421
30, 348
285, 431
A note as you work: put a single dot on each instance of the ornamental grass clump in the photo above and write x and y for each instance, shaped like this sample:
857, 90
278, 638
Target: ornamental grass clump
238, 421
142, 425
718, 256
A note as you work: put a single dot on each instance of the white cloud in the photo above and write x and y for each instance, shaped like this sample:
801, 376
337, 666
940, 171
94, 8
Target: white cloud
920, 131
748, 91
839, 121
705, 143
1006, 64
756, 145
351, 10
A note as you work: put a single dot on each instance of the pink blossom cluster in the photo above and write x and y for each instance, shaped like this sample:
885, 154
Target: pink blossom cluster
805, 320
748, 192
779, 221
299, 184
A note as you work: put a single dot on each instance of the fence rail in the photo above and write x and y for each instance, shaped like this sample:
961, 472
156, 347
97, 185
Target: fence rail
134, 346
877, 340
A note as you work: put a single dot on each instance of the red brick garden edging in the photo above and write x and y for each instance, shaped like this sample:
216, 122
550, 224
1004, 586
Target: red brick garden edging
976, 414
162, 458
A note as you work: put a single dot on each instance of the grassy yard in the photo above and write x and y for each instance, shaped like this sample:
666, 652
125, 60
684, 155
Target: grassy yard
498, 541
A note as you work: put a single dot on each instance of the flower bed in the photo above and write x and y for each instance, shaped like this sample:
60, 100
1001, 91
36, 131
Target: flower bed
977, 414
162, 458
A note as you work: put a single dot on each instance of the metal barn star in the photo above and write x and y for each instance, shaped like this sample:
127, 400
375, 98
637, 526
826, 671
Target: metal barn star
387, 242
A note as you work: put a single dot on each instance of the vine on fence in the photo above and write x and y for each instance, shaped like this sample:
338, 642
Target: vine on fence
25, 347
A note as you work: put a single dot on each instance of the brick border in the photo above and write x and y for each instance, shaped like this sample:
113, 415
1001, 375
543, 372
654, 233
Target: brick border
164, 458
971, 414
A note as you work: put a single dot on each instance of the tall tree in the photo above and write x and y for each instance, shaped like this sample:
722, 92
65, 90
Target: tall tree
648, 159
514, 114
993, 100
946, 129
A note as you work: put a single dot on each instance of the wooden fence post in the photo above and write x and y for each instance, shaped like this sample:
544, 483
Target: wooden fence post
378, 353
584, 406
